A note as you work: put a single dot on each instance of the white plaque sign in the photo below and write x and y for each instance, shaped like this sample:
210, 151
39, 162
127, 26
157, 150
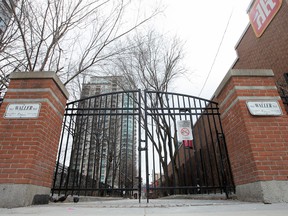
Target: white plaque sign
185, 131
264, 108
22, 110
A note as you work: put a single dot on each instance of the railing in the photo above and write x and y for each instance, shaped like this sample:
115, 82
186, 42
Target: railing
129, 144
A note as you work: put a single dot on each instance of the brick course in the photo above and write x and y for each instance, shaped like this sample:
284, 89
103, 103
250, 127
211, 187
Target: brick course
29, 147
270, 50
257, 145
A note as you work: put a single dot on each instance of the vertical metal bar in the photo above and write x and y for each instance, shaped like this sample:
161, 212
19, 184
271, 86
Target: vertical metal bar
177, 148
120, 182
161, 159
78, 129
91, 123
101, 165
84, 146
167, 137
101, 142
207, 150
71, 131
193, 182
153, 157
146, 144
171, 144
213, 147
160, 168
134, 98
59, 156
196, 148
230, 175
202, 141
175, 122
109, 152
126, 144
98, 132
225, 148
139, 145
184, 149
223, 182
67, 145
221, 165
104, 141
114, 167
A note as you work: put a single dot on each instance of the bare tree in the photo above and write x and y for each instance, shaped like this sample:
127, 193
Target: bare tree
71, 37
282, 87
152, 63
282, 82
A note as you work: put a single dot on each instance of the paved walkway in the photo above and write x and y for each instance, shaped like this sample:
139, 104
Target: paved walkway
159, 207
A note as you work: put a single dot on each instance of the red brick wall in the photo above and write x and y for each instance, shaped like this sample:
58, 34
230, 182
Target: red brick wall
28, 147
270, 51
257, 145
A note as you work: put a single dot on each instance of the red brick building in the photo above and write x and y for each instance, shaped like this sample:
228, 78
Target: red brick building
258, 144
268, 51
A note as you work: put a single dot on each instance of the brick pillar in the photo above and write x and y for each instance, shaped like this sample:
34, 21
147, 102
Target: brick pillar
30, 126
257, 144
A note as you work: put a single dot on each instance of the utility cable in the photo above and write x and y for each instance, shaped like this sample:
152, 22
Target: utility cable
219, 47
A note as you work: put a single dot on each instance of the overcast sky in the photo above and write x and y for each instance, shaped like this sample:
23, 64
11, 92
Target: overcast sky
202, 23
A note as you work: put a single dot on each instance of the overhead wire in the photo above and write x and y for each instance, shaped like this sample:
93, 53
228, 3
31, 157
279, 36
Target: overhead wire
217, 53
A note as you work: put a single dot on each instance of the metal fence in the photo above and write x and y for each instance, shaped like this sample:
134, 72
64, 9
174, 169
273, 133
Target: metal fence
98, 148
185, 146
135, 144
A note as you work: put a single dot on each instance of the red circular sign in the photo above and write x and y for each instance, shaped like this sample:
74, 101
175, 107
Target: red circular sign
185, 131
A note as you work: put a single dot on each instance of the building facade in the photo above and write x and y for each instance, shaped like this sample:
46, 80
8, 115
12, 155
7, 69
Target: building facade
270, 49
104, 152
255, 130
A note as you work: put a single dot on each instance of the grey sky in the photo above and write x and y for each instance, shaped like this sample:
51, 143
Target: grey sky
202, 25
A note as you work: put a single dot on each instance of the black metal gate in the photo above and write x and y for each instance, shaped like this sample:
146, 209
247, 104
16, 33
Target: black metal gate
137, 145
98, 148
185, 146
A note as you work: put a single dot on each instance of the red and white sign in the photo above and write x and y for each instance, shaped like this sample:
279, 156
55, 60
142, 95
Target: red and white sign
184, 128
262, 13
185, 133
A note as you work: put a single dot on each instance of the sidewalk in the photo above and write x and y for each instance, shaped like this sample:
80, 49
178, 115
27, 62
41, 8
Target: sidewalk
159, 207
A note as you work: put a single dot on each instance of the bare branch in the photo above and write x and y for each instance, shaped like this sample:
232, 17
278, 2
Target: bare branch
94, 60
70, 37
151, 62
